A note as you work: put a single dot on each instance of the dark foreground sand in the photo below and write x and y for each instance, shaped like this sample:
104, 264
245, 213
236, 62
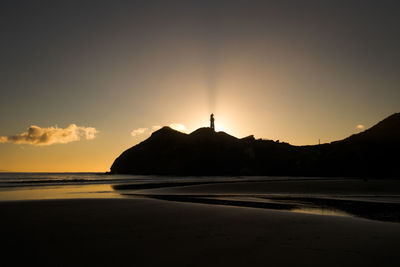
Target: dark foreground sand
150, 232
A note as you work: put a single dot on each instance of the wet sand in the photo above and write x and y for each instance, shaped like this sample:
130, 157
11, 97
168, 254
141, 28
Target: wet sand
144, 231
371, 199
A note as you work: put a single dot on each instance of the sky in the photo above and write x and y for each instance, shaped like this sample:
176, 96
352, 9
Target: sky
81, 81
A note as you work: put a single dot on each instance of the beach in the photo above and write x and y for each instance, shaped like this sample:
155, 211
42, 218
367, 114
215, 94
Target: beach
200, 133
146, 230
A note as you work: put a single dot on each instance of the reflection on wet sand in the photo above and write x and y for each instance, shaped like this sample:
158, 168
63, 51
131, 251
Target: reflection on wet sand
377, 200
59, 192
347, 199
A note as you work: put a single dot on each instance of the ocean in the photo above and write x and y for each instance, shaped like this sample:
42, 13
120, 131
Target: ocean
26, 179
30, 179
39, 186
33, 185
324, 196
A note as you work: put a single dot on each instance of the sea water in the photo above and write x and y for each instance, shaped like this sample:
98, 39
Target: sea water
30, 179
224, 191
29, 186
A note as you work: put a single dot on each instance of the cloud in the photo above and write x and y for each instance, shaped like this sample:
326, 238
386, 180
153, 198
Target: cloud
138, 131
360, 127
36, 135
177, 126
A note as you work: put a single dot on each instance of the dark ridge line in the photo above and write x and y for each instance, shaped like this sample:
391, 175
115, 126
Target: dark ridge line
205, 152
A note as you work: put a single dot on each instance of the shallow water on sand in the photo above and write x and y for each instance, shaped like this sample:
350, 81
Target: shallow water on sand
375, 199
58, 192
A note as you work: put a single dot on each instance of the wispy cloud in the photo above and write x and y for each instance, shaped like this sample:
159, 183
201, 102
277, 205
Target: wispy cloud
36, 135
177, 126
138, 131
360, 127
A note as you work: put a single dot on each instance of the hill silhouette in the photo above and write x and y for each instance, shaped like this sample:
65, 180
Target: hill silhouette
372, 153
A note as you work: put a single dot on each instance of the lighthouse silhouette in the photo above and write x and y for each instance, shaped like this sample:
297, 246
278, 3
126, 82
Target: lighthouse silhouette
212, 122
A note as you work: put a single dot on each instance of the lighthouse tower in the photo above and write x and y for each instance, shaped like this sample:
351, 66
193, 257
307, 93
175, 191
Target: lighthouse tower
212, 122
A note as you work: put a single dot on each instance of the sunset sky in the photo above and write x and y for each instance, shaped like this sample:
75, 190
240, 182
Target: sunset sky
81, 81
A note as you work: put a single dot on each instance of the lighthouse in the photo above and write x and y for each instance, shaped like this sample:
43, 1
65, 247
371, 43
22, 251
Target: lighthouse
212, 122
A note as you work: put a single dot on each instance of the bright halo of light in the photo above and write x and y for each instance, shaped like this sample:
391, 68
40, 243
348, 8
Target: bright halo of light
221, 127
222, 123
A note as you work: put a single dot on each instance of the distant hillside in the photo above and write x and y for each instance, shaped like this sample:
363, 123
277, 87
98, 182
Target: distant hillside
372, 153
387, 130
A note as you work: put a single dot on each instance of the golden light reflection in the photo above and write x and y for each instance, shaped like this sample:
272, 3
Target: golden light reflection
320, 211
59, 192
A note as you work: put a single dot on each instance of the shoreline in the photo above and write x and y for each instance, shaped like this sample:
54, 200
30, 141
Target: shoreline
200, 223
374, 199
